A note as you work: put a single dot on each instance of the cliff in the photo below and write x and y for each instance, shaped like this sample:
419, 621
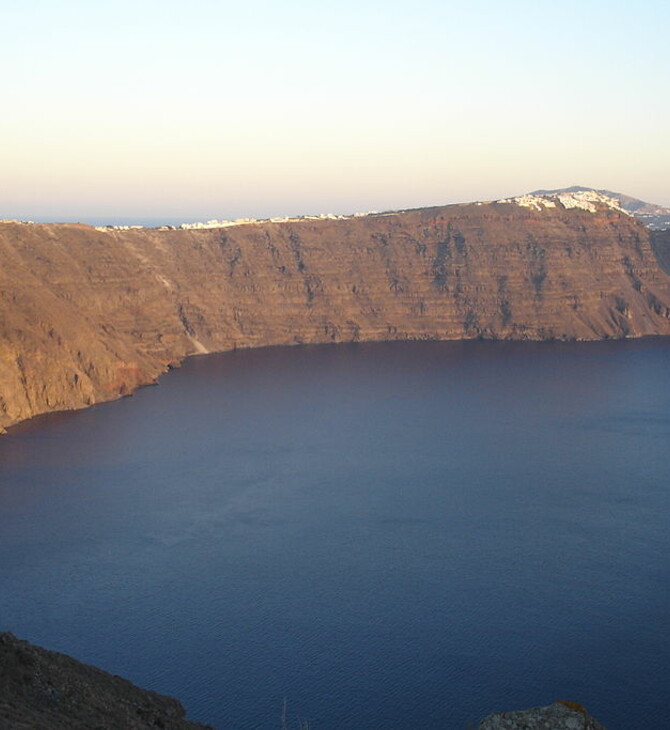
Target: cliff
43, 689
87, 315
660, 241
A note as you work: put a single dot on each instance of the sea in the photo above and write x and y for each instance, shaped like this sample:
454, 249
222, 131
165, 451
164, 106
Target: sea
384, 536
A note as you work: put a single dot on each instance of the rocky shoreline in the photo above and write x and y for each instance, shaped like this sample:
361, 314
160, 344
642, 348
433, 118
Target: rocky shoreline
51, 691
45, 690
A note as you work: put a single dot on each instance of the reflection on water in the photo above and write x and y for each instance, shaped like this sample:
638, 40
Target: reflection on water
388, 535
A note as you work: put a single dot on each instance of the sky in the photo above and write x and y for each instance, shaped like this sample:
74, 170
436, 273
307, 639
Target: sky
215, 109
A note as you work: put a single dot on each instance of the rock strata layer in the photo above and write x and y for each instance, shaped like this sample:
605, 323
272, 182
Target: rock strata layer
88, 315
559, 716
43, 689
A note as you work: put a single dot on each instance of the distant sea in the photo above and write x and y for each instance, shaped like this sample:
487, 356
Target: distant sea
381, 536
119, 221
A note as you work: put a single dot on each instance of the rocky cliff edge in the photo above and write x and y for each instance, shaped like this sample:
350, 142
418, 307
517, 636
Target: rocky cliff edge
88, 315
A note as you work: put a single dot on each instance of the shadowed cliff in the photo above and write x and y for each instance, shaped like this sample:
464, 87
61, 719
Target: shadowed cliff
660, 241
88, 315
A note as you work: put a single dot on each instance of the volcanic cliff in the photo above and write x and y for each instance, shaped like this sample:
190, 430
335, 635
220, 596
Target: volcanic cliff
88, 315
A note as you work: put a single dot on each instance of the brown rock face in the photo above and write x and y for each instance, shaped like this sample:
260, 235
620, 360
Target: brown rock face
89, 315
660, 241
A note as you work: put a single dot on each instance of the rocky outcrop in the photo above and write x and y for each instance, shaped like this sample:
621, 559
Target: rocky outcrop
43, 689
87, 315
561, 715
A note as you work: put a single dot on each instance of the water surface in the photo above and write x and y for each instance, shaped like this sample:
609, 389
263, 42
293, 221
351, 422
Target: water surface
387, 535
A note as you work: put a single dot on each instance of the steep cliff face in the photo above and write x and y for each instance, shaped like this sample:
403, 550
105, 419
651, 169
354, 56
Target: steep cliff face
88, 315
660, 241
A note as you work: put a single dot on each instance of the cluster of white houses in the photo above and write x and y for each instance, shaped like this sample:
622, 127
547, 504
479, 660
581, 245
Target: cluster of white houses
241, 222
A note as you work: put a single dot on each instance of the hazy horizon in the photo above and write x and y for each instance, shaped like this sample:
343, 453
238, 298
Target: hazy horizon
150, 221
208, 110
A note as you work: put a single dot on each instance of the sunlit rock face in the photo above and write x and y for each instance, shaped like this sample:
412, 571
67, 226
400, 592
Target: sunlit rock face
89, 314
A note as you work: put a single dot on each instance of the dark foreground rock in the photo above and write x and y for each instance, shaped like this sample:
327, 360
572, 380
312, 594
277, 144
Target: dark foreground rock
43, 690
559, 716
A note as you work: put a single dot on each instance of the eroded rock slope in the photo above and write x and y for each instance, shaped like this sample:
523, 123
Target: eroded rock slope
87, 315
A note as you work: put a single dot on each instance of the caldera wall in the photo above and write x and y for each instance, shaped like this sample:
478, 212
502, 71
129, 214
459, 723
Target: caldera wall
87, 315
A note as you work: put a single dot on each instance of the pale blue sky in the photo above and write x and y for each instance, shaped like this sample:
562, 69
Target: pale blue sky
218, 109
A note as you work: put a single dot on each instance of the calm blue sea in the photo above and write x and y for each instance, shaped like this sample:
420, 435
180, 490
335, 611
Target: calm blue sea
392, 536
